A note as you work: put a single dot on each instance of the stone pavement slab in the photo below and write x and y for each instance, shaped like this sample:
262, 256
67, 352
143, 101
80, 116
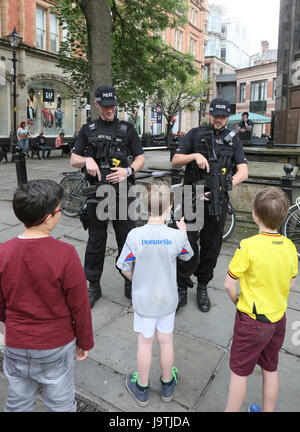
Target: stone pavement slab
288, 399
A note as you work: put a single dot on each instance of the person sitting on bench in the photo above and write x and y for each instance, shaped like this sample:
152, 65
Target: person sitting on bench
41, 142
64, 146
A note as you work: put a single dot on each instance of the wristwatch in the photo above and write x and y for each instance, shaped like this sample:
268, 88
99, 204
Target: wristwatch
132, 170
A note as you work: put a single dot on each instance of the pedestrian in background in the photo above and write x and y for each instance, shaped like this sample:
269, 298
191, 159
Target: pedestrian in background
44, 304
266, 266
245, 129
23, 135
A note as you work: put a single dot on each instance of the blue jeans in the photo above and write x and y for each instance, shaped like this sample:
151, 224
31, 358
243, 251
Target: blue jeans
44, 149
24, 143
53, 368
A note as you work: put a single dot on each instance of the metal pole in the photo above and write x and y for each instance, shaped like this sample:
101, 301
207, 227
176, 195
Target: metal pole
287, 181
14, 60
17, 154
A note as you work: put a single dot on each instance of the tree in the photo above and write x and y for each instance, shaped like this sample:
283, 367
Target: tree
173, 97
121, 41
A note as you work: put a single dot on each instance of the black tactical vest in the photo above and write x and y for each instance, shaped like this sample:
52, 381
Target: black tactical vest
108, 146
210, 144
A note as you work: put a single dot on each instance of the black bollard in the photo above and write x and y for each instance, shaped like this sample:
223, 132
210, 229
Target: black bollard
19, 159
287, 181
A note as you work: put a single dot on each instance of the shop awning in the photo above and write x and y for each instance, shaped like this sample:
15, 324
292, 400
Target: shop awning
256, 118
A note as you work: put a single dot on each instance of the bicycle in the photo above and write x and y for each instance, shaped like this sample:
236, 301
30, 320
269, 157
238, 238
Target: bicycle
291, 226
74, 184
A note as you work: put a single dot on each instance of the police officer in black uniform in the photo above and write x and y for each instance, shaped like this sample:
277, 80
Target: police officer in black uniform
194, 151
95, 141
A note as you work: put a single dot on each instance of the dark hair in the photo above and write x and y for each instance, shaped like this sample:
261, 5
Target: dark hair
36, 199
62, 133
245, 113
271, 205
23, 122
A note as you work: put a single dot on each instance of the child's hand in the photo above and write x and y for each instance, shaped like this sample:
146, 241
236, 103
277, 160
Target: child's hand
81, 354
181, 225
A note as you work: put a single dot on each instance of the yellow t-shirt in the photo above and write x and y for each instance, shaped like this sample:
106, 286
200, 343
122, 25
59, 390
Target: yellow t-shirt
265, 265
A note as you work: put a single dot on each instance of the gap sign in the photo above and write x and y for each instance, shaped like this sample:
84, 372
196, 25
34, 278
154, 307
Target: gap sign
48, 95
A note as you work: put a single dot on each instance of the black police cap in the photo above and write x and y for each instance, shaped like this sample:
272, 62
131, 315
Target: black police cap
219, 106
106, 96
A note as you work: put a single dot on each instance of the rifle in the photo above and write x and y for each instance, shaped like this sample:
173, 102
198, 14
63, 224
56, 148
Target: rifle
218, 181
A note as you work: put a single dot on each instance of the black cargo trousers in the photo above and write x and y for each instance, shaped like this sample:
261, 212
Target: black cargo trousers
210, 238
96, 245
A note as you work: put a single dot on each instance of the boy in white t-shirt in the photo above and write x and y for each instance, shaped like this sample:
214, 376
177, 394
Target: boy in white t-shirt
149, 259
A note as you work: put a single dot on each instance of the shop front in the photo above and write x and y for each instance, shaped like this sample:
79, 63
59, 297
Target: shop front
49, 109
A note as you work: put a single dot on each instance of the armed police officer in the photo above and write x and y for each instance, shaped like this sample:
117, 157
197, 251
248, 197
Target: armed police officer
103, 148
207, 151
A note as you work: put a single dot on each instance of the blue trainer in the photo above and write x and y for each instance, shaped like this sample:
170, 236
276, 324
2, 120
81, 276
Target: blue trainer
254, 408
138, 392
168, 388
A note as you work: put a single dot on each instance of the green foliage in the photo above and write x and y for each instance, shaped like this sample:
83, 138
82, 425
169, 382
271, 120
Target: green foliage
172, 96
141, 61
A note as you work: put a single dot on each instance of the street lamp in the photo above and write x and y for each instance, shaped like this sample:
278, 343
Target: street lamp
15, 39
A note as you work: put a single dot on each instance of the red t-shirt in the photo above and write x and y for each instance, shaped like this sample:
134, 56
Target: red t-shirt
58, 142
43, 295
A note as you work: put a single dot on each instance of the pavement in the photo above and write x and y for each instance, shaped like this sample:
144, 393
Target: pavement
202, 340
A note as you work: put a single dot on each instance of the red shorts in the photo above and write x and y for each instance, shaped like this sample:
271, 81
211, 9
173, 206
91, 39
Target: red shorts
255, 342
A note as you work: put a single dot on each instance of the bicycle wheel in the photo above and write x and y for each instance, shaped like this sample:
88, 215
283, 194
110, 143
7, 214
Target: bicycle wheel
73, 196
230, 222
291, 227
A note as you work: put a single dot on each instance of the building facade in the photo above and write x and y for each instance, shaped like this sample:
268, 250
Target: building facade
287, 119
222, 78
41, 87
227, 38
190, 39
256, 92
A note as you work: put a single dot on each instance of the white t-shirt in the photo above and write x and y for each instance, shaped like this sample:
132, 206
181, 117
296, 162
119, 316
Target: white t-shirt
23, 133
153, 250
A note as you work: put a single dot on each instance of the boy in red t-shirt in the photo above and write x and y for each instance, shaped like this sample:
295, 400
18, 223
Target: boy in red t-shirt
44, 304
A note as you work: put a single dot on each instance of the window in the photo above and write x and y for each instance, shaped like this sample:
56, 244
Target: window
258, 91
49, 109
40, 28
178, 40
193, 46
242, 94
195, 18
223, 54
54, 35
192, 16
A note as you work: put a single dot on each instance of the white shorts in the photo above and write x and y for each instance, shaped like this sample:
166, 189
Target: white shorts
147, 326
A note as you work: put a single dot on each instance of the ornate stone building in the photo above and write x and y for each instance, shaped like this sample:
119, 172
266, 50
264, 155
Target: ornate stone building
287, 119
41, 87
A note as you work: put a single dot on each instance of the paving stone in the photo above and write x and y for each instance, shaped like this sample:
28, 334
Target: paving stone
215, 326
288, 399
110, 386
195, 360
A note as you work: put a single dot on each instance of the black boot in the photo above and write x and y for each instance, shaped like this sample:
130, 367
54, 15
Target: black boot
95, 292
202, 298
182, 297
127, 289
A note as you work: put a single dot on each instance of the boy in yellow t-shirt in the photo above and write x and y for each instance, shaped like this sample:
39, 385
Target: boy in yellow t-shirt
266, 266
